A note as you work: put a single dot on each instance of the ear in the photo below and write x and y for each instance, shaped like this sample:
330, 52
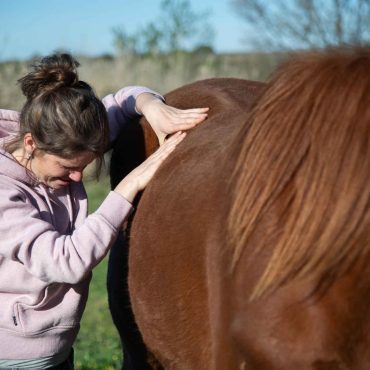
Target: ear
29, 143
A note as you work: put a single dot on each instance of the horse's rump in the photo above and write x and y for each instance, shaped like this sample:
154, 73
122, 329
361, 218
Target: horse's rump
254, 211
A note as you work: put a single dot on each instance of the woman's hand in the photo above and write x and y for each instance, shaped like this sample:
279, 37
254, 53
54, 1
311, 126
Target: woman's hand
137, 179
165, 119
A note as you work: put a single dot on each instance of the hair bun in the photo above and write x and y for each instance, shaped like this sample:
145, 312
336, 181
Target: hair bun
51, 73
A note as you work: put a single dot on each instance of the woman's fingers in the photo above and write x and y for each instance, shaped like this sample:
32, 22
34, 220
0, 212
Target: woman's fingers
147, 169
188, 113
160, 154
137, 179
194, 110
188, 120
181, 120
170, 144
165, 119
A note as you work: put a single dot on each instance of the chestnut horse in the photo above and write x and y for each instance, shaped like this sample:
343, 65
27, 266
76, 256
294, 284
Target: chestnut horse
249, 249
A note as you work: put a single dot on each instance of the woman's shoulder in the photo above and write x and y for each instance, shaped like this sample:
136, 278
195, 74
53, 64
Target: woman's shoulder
12, 190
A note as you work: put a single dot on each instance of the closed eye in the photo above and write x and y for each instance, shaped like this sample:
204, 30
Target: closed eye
80, 169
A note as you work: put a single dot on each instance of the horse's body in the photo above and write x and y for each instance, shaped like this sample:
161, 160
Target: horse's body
218, 274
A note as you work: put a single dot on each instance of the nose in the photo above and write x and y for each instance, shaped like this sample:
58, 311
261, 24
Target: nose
75, 176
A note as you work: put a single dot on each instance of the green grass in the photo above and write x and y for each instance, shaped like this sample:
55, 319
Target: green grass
97, 345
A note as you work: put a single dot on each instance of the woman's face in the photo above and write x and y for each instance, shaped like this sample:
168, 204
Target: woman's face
57, 172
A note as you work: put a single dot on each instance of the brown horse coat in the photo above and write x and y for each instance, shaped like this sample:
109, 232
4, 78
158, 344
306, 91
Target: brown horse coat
249, 249
188, 198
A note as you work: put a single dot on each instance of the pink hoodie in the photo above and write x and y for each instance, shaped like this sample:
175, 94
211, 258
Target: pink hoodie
49, 246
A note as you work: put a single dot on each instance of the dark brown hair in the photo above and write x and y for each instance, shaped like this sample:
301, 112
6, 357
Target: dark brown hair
62, 113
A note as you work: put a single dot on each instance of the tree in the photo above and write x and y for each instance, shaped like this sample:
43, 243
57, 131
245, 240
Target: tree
151, 37
177, 27
124, 42
294, 24
182, 25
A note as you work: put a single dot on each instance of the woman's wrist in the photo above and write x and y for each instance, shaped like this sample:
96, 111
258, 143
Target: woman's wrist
149, 105
128, 189
144, 100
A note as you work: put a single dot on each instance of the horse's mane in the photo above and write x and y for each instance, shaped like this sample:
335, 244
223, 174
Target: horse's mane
306, 157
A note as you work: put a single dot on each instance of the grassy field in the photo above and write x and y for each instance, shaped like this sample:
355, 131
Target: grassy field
98, 345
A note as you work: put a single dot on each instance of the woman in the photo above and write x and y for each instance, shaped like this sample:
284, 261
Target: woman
49, 246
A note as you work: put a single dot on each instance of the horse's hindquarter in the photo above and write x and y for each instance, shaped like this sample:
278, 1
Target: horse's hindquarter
178, 237
295, 221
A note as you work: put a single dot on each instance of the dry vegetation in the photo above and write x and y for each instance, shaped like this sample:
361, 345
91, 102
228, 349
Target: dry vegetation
161, 73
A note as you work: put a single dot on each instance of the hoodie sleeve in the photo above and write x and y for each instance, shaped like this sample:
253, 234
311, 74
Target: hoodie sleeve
44, 252
121, 107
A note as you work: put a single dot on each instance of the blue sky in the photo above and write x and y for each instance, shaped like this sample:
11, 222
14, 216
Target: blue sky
30, 27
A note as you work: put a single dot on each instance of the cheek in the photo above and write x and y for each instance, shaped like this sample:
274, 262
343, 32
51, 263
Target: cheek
55, 171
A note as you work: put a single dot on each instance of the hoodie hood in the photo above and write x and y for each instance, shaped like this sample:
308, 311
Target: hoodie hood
9, 126
11, 168
9, 123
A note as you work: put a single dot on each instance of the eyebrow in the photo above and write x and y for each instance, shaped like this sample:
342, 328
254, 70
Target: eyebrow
72, 167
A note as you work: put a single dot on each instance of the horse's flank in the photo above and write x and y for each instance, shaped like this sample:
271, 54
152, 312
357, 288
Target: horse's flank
306, 155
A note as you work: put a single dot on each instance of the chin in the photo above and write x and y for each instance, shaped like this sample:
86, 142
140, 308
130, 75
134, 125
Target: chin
58, 185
